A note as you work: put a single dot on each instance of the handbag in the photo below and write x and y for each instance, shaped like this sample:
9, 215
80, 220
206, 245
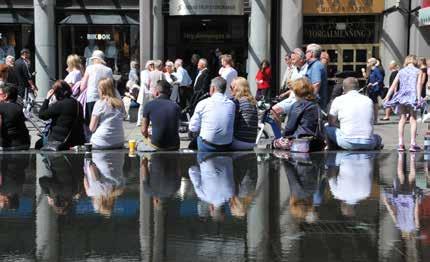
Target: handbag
55, 146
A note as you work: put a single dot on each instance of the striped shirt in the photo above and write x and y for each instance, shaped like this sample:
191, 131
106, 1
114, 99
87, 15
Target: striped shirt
246, 121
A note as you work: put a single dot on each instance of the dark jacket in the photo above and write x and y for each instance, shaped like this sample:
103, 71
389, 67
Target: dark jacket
203, 81
13, 129
64, 118
23, 75
304, 120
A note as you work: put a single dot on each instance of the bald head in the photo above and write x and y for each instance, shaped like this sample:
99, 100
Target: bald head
350, 83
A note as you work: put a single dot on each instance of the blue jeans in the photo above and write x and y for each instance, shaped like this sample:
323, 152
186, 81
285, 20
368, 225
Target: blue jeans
205, 147
335, 136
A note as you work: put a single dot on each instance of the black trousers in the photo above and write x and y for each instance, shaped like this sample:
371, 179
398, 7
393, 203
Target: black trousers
185, 94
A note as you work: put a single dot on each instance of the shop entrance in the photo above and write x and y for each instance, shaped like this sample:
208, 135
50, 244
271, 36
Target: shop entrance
349, 57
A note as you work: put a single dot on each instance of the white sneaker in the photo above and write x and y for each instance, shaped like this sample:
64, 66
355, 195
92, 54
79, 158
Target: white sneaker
138, 124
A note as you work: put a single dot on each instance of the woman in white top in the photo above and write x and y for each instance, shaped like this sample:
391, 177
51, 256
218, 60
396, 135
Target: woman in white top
144, 91
172, 79
74, 70
227, 72
107, 116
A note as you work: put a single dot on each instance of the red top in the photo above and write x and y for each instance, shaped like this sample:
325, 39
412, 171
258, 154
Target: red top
266, 76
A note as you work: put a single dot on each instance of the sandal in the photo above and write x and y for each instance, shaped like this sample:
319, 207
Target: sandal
401, 148
414, 148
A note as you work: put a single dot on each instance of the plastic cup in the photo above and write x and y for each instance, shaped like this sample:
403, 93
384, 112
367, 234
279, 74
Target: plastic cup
132, 146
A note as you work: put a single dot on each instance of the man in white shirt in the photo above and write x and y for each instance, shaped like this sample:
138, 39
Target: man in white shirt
214, 119
184, 80
227, 72
354, 112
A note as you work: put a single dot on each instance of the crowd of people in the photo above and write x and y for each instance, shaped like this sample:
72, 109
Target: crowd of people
221, 112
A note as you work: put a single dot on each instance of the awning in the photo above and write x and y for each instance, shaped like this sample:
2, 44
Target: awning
424, 13
13, 19
80, 19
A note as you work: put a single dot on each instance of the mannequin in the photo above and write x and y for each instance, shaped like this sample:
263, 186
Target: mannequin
89, 50
111, 54
5, 50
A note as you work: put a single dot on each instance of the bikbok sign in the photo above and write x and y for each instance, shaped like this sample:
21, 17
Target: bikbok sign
99, 37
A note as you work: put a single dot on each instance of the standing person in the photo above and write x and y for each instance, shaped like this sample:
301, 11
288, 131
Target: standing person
74, 69
132, 89
24, 76
184, 80
406, 101
106, 119
213, 119
11, 76
192, 68
13, 132
375, 83
164, 115
155, 76
172, 80
227, 72
394, 69
144, 91
288, 72
263, 78
246, 117
203, 81
317, 73
94, 73
422, 65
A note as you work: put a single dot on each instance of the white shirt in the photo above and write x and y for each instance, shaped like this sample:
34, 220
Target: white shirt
214, 118
298, 73
355, 114
73, 77
96, 73
352, 186
229, 74
183, 77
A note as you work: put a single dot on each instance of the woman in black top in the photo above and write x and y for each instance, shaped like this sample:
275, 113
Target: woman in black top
66, 117
14, 133
394, 68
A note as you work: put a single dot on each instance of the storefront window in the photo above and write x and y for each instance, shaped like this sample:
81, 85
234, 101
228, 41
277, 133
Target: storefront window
120, 43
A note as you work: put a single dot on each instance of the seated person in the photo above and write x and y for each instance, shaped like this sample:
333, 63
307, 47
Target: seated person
106, 119
304, 119
164, 114
354, 112
214, 119
14, 133
130, 97
246, 120
66, 116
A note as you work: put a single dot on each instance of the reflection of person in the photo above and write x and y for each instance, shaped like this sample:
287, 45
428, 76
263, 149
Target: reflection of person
14, 133
402, 200
104, 180
5, 50
88, 51
64, 184
213, 181
111, 53
346, 184
12, 178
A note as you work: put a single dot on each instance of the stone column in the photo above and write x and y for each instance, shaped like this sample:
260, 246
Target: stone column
158, 30
47, 237
44, 42
394, 36
291, 30
145, 32
419, 36
259, 38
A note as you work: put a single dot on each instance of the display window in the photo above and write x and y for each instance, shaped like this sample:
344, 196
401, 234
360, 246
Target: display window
120, 43
14, 37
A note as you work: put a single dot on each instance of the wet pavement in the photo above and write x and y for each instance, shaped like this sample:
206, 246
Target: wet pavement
265, 206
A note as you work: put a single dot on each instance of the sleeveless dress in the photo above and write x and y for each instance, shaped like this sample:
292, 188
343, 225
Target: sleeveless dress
407, 93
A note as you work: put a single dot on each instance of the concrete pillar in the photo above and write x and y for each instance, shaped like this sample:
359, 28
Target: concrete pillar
258, 215
259, 38
158, 30
47, 237
145, 32
291, 30
394, 37
419, 36
44, 42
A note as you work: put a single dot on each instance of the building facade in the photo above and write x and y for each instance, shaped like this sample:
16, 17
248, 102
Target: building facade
351, 31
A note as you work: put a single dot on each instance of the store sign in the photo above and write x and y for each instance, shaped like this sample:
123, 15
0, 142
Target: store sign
98, 37
348, 30
206, 7
424, 13
314, 7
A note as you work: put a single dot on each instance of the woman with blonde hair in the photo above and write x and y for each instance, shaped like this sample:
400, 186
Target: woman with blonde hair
106, 120
246, 117
304, 119
406, 101
74, 69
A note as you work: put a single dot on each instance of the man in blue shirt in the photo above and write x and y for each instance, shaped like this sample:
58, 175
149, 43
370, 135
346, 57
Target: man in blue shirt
214, 119
317, 73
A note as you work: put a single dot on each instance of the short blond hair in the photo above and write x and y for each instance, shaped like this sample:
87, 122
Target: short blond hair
73, 62
411, 59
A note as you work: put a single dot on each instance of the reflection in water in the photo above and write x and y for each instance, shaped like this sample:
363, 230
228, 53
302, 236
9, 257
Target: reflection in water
214, 207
